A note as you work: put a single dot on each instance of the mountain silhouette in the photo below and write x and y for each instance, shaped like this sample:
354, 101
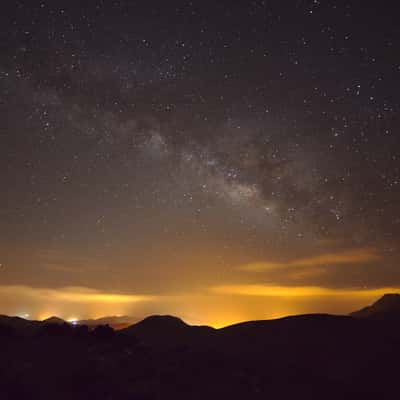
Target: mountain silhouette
311, 356
386, 308
19, 325
116, 322
166, 329
54, 320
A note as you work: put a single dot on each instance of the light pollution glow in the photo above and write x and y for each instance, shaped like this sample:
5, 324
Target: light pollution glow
180, 166
237, 302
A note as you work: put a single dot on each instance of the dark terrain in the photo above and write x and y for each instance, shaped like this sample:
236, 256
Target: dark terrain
300, 357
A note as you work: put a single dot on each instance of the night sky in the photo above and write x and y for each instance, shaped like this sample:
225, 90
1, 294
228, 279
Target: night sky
219, 161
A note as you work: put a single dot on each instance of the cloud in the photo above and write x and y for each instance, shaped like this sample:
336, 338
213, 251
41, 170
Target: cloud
355, 256
61, 268
297, 291
82, 295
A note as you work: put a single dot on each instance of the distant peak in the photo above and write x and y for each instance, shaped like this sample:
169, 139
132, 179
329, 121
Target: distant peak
169, 319
391, 296
389, 300
54, 320
388, 304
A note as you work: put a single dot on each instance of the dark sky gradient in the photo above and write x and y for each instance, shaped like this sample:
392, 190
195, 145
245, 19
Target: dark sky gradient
220, 160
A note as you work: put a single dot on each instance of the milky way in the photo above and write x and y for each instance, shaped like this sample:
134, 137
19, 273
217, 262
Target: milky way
155, 150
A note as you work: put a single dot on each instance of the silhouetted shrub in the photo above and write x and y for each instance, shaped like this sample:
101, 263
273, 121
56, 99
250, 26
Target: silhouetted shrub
103, 332
81, 331
56, 330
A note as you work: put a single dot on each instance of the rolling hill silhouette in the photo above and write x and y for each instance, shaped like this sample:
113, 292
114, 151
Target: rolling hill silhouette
54, 320
116, 322
19, 325
167, 330
314, 356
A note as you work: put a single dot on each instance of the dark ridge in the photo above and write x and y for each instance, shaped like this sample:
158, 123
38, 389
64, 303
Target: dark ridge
288, 320
109, 320
13, 322
311, 356
387, 307
166, 329
54, 320
165, 320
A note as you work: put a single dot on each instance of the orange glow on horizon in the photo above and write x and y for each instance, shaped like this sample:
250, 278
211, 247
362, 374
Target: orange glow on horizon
298, 291
217, 306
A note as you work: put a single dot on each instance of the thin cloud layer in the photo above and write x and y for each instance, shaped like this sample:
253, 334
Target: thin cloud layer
297, 291
72, 295
355, 256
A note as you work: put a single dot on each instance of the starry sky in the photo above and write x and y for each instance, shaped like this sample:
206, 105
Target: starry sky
219, 161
